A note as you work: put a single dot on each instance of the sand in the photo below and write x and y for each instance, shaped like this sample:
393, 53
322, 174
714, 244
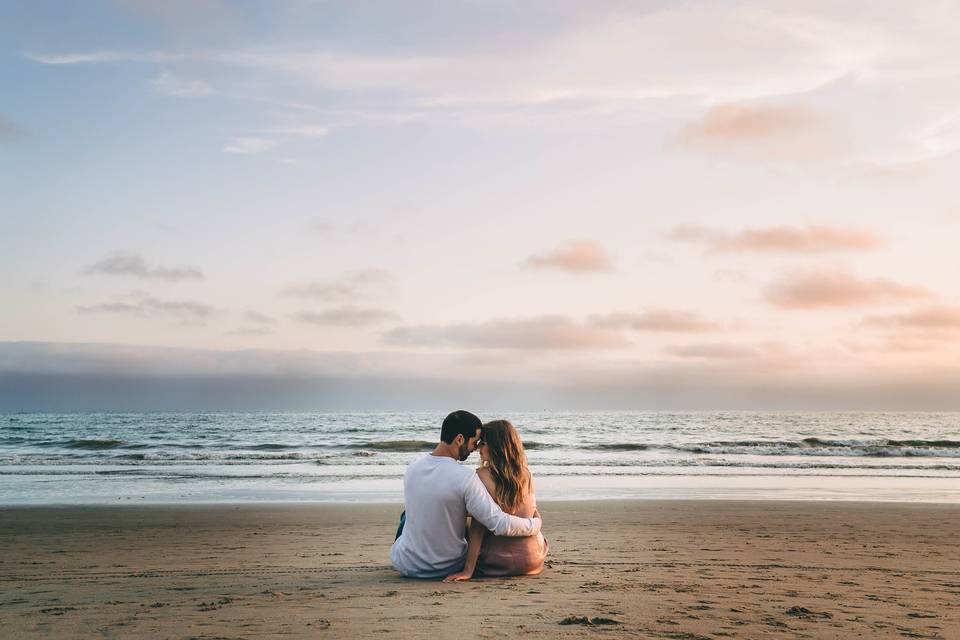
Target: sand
639, 569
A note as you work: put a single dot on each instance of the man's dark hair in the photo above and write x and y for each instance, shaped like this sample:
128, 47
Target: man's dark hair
459, 422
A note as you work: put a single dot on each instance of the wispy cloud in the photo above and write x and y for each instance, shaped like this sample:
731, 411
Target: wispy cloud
149, 307
329, 226
347, 287
808, 240
714, 351
544, 332
940, 318
348, 316
266, 139
658, 320
581, 256
95, 57
8, 130
170, 84
761, 132
318, 226
250, 144
300, 131
250, 332
601, 63
732, 275
823, 288
732, 123
915, 150
258, 318
133, 265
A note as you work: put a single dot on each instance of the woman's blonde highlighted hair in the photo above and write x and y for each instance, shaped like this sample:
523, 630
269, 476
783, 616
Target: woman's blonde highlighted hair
507, 462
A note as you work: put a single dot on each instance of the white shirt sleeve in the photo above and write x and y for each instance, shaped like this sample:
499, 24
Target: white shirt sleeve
482, 507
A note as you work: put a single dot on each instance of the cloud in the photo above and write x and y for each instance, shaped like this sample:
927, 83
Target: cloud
250, 144
714, 351
250, 332
732, 123
916, 150
777, 133
170, 84
812, 239
301, 131
601, 66
732, 275
8, 130
99, 358
661, 320
938, 318
259, 143
544, 332
325, 226
263, 140
150, 307
348, 316
97, 57
129, 264
37, 376
258, 318
815, 289
346, 287
318, 226
580, 256
599, 63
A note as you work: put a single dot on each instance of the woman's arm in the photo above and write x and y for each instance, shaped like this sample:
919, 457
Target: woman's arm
475, 537
477, 531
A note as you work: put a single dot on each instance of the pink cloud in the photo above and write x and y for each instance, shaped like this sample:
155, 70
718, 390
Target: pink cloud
814, 289
579, 256
735, 123
544, 332
763, 133
714, 351
941, 318
808, 240
664, 320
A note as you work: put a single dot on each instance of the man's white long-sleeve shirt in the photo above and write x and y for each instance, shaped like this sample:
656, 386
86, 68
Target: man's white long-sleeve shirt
439, 493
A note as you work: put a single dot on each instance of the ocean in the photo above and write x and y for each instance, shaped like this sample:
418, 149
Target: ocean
203, 457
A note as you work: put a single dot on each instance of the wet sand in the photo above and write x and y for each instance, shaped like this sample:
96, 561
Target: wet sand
640, 569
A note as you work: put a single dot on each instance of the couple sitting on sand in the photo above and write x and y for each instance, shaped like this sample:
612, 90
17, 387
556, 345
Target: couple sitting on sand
439, 494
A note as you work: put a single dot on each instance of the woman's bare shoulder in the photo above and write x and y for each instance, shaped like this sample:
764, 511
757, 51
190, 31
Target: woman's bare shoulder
486, 477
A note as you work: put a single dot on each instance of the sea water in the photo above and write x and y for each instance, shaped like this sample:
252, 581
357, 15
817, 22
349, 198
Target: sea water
123, 458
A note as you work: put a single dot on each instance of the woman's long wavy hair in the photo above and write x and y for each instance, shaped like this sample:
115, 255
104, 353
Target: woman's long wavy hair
507, 462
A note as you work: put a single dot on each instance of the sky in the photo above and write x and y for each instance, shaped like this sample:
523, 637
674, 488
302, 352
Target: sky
644, 205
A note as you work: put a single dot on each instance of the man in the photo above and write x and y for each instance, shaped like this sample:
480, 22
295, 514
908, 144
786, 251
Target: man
439, 493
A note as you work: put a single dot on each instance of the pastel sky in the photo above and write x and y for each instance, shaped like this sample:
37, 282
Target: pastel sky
548, 204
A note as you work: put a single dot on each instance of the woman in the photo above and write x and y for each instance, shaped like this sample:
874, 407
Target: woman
505, 474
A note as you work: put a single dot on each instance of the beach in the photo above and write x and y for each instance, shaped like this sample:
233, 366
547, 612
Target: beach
617, 568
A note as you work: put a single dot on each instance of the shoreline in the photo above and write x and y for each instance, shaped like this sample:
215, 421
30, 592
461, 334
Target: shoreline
95, 490
658, 568
360, 504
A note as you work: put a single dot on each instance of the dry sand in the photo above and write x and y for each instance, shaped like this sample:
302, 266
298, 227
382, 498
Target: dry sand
678, 569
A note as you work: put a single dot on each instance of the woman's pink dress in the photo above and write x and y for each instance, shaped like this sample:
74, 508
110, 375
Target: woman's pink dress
513, 556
